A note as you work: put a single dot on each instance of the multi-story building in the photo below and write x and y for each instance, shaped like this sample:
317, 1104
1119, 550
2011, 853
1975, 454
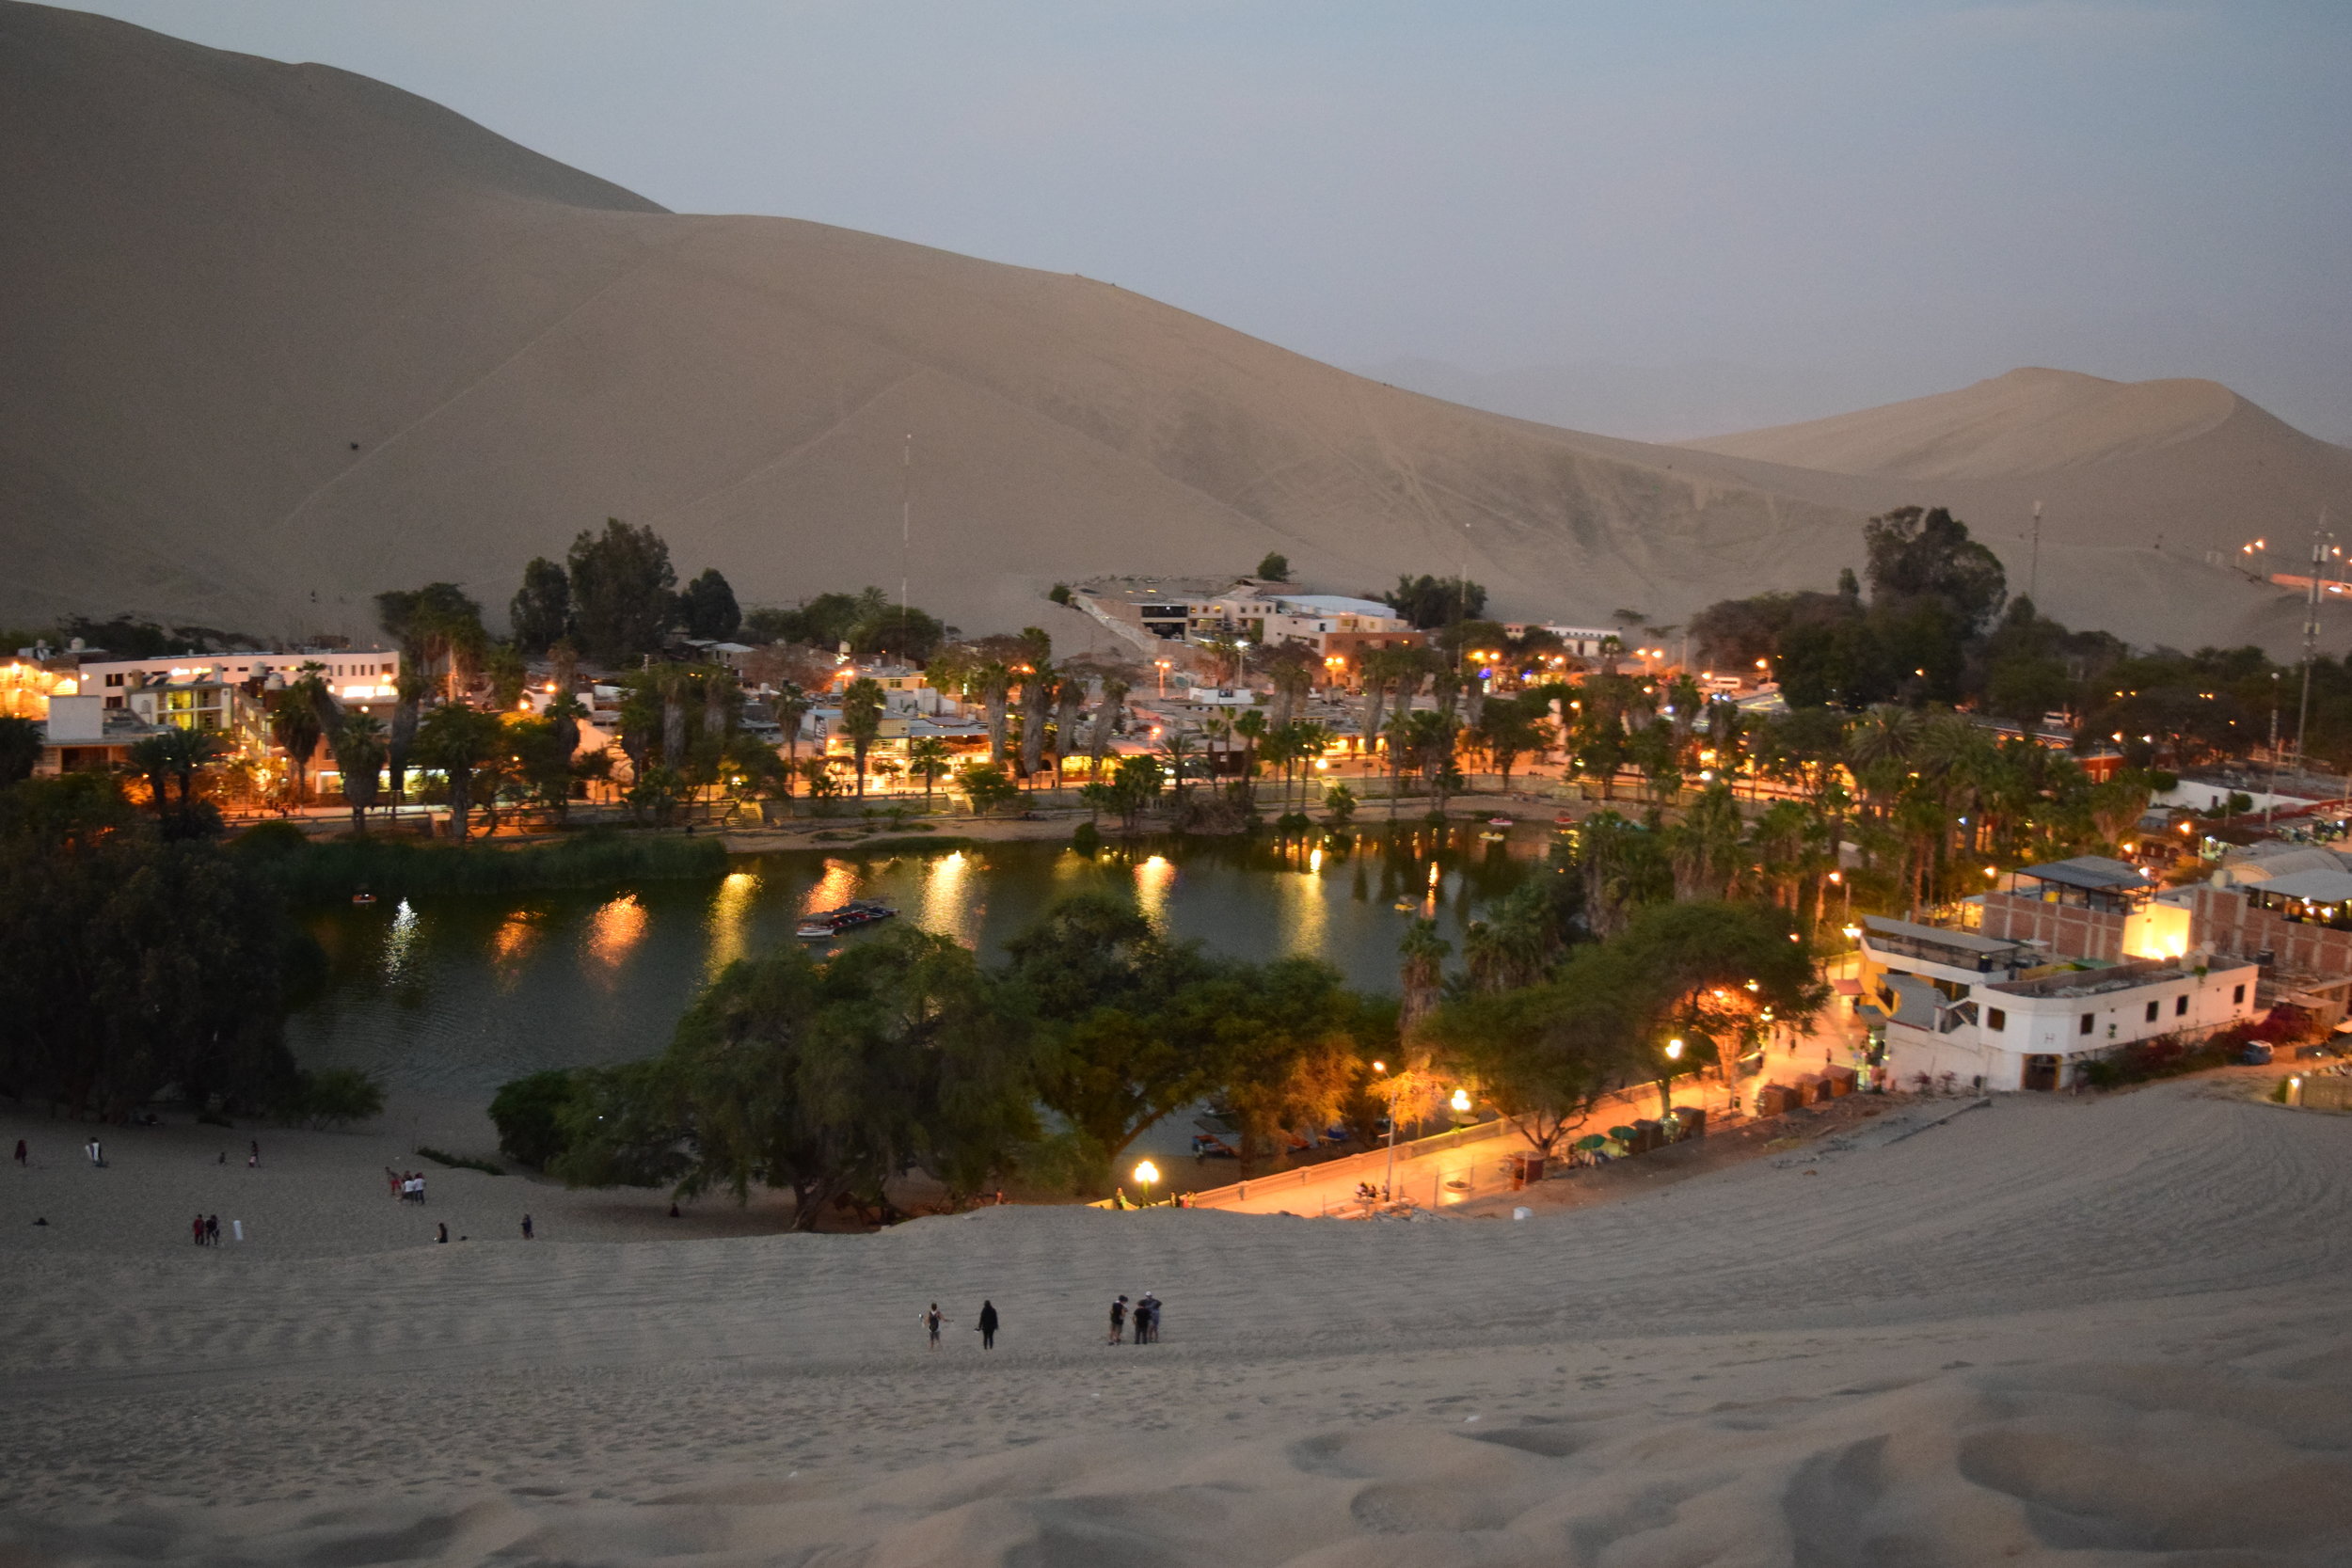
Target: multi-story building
1998, 1013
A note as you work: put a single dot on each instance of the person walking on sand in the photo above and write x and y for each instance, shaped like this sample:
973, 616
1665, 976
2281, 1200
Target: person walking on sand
199, 1229
1119, 1321
21, 1157
988, 1325
931, 1321
526, 1227
1148, 1319
212, 1230
253, 1160
440, 1232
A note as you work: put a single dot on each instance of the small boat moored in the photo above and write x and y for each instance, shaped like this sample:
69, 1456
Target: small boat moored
852, 916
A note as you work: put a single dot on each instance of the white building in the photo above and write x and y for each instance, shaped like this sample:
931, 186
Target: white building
355, 675
1993, 1014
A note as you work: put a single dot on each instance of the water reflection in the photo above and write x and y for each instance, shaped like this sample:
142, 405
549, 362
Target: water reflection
947, 904
837, 887
1155, 878
730, 921
616, 928
400, 945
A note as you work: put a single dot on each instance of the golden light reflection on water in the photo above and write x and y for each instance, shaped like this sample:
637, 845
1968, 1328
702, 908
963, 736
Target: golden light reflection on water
1314, 859
949, 903
401, 941
510, 944
729, 922
837, 887
617, 927
1306, 914
1153, 878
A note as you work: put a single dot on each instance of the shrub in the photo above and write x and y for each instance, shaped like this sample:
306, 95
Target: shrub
457, 1162
1088, 840
528, 1114
334, 1098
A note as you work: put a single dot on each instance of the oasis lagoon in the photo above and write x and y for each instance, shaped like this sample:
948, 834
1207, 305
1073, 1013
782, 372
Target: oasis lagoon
452, 996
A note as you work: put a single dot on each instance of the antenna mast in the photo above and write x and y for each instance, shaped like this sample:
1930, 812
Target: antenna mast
906, 531
2033, 573
2311, 633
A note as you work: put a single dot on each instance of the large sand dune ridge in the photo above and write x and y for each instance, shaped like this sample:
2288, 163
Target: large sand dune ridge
294, 337
2042, 1329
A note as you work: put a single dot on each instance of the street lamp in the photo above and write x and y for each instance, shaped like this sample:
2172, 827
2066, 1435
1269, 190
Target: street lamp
1461, 1101
1665, 1085
1146, 1174
1388, 1179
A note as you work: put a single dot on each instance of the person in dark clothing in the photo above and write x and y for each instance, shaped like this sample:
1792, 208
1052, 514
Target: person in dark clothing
1119, 1321
1148, 1320
440, 1232
212, 1230
931, 1321
199, 1230
526, 1227
988, 1325
21, 1157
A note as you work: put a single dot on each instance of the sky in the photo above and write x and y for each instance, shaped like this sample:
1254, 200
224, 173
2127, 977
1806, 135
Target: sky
1823, 205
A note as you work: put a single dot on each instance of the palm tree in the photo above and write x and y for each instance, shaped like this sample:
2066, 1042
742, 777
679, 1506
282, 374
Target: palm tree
300, 717
410, 691
790, 707
1251, 727
170, 762
994, 678
1105, 720
1311, 738
459, 740
929, 760
359, 747
1178, 746
1421, 973
861, 720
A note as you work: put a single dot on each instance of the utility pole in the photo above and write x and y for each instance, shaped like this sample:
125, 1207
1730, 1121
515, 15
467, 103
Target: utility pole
2320, 537
2033, 573
906, 531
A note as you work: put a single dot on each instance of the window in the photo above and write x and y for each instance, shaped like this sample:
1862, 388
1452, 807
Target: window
114, 679
2179, 1004
2151, 1012
2237, 997
2088, 1021
1996, 1020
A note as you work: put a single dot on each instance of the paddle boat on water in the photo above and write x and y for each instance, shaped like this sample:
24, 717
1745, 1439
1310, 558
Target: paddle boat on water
853, 916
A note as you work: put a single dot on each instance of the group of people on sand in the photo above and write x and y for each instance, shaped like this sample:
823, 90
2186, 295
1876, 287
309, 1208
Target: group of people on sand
206, 1229
405, 1186
934, 1320
1146, 1316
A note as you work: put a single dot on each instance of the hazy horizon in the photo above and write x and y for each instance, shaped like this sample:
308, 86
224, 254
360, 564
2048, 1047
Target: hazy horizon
1661, 214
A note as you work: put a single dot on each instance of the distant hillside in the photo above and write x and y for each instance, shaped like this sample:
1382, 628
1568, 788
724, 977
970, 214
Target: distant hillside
282, 337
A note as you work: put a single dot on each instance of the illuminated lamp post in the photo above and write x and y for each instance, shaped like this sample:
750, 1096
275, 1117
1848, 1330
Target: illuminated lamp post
1146, 1174
1665, 1083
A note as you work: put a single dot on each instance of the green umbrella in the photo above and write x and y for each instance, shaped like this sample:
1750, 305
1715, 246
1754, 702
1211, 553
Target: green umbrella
1590, 1141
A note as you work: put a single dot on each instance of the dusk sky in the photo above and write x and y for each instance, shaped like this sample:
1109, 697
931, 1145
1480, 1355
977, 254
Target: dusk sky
1829, 204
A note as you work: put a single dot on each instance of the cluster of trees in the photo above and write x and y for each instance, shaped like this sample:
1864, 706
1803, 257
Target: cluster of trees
1937, 626
139, 957
869, 624
1429, 602
904, 1052
615, 598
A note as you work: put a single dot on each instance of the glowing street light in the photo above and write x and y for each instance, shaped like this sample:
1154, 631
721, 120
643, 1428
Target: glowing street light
1146, 1174
1461, 1101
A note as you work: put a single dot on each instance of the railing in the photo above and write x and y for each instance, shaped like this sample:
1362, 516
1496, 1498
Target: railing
1351, 1164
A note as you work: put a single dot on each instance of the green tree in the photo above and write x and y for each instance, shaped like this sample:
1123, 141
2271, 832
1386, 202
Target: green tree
929, 760
708, 608
1430, 602
299, 717
458, 740
1924, 553
359, 747
439, 632
170, 762
623, 591
129, 964
987, 788
861, 720
1276, 567
541, 613
20, 749
826, 1079
1115, 1053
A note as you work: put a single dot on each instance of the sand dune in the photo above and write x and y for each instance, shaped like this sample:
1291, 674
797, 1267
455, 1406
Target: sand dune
299, 337
2043, 1329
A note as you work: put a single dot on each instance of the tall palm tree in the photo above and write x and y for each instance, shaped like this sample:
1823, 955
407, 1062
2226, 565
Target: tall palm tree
300, 718
170, 762
359, 746
790, 707
929, 760
1106, 720
1420, 974
994, 678
861, 720
457, 740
